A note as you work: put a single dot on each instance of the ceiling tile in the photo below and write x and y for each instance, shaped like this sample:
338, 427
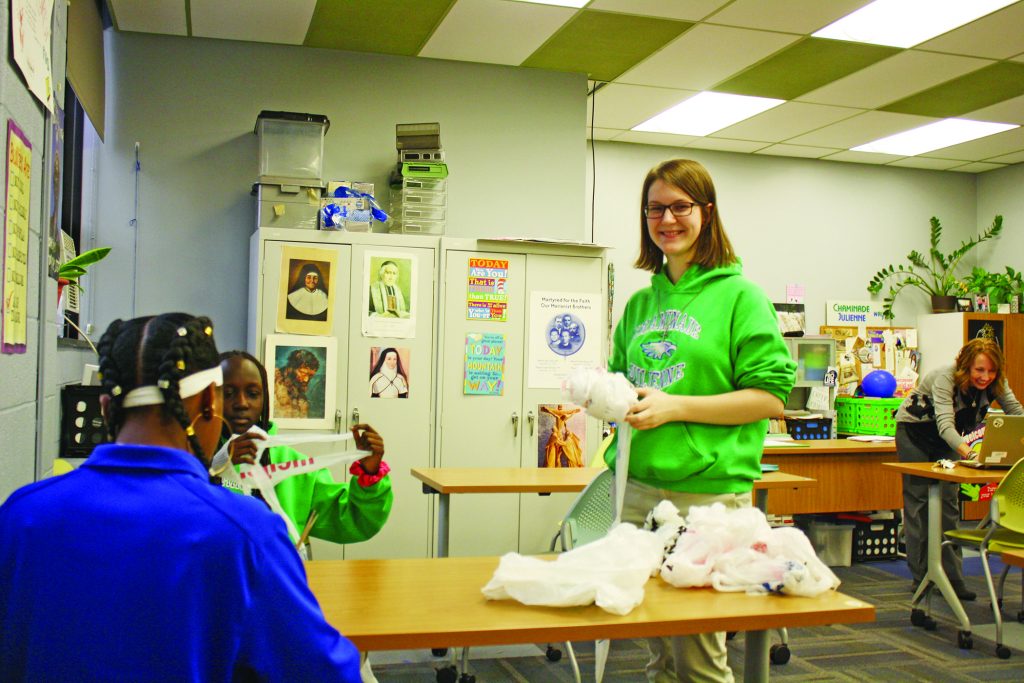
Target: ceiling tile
603, 44
894, 78
1014, 158
804, 66
786, 121
975, 90
926, 163
156, 16
723, 145
393, 27
624, 106
603, 133
860, 129
977, 167
262, 21
719, 51
983, 148
862, 157
684, 10
793, 16
797, 151
494, 31
1008, 111
663, 139
998, 35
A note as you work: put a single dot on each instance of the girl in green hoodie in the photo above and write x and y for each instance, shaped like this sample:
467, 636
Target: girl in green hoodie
703, 348
347, 512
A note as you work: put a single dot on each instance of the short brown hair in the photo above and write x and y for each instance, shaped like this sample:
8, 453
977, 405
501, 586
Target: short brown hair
965, 359
713, 248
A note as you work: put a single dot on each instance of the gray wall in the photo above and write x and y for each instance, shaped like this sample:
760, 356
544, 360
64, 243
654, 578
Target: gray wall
1002, 192
514, 142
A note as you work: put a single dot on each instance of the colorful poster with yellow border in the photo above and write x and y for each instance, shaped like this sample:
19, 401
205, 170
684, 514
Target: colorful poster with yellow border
13, 337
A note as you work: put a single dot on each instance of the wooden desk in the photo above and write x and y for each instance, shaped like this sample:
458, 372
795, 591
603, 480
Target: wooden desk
448, 480
849, 476
936, 574
1013, 557
420, 603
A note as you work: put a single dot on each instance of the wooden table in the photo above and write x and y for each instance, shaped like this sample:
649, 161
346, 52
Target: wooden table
418, 603
849, 476
1014, 557
936, 574
448, 480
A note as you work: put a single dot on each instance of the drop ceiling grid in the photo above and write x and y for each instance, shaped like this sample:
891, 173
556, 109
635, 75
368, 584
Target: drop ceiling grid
791, 16
156, 16
982, 149
624, 106
860, 129
683, 10
786, 121
998, 35
267, 21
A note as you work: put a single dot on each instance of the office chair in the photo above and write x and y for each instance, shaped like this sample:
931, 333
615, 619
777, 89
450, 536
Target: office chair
1004, 531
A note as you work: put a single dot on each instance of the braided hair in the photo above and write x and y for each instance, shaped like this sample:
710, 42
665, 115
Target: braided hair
155, 350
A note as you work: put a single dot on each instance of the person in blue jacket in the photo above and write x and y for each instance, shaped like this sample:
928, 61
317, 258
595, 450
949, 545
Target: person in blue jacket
134, 567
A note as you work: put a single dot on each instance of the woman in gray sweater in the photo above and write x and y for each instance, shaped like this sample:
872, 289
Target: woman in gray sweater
930, 425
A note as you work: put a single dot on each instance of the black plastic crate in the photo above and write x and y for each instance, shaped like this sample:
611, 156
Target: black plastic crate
875, 540
81, 421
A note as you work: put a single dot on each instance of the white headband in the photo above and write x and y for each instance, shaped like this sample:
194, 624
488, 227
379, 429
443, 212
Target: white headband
150, 395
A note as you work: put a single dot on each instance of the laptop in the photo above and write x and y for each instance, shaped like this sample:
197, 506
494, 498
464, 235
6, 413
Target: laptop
1003, 443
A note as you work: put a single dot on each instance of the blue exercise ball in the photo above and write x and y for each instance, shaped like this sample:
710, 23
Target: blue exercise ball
879, 384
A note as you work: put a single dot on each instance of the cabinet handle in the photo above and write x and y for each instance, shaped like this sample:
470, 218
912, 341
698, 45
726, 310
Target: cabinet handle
355, 416
529, 421
515, 424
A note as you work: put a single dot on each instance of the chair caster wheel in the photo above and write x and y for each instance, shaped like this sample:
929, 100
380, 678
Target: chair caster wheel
729, 635
964, 640
1002, 652
553, 654
467, 678
922, 620
439, 651
779, 654
447, 674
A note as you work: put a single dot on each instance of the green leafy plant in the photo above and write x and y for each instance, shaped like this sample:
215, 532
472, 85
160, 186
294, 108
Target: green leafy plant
77, 267
1005, 285
934, 272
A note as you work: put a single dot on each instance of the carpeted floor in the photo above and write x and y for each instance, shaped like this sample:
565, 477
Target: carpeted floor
890, 649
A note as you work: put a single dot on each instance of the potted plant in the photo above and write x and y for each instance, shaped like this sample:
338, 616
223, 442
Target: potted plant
933, 273
69, 272
1006, 287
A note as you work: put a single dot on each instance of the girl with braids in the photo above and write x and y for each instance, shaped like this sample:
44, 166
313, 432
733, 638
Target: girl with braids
345, 512
174, 579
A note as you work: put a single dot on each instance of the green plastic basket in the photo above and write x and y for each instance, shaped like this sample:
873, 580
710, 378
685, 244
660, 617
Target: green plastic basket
867, 415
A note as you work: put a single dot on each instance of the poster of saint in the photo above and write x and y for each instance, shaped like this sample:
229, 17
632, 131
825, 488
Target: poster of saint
389, 295
389, 372
561, 435
305, 302
564, 334
301, 371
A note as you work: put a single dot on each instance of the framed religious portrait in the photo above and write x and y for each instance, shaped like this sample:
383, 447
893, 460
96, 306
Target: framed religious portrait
301, 371
389, 294
305, 301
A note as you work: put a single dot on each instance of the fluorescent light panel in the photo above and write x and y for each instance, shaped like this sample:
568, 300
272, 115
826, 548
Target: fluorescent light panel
560, 3
934, 136
705, 113
904, 23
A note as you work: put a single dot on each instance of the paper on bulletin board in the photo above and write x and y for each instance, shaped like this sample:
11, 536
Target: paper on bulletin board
564, 334
31, 27
486, 293
13, 336
484, 373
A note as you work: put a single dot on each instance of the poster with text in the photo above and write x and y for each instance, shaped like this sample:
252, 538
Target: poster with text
305, 298
564, 334
486, 297
31, 28
561, 435
13, 335
389, 295
485, 365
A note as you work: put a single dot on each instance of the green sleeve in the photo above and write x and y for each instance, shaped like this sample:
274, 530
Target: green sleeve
760, 357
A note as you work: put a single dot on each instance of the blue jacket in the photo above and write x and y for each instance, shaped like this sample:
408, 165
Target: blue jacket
135, 568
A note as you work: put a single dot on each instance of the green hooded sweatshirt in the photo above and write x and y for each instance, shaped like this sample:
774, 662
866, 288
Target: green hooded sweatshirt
711, 333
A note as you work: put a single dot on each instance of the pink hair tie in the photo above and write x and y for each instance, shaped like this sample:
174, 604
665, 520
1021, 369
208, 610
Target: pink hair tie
366, 479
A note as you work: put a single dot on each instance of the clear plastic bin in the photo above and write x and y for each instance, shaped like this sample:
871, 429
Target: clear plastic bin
423, 198
291, 145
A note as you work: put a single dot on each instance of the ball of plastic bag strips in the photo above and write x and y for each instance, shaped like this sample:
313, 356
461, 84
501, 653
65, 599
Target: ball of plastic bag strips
879, 384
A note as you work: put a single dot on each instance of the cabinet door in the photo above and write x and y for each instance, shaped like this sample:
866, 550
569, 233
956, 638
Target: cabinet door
405, 423
478, 431
539, 515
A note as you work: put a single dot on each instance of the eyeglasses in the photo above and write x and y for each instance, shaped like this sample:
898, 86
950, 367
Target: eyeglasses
679, 209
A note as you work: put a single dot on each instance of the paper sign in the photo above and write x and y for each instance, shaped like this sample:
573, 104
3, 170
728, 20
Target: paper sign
485, 365
15, 259
855, 313
486, 297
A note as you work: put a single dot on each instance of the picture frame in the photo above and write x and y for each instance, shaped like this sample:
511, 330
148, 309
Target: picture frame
965, 305
389, 294
305, 300
980, 303
302, 374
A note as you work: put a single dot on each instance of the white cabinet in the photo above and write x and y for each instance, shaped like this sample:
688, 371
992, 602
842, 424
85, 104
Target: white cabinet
407, 424
502, 430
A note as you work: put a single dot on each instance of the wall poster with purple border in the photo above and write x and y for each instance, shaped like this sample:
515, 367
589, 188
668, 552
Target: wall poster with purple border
13, 335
